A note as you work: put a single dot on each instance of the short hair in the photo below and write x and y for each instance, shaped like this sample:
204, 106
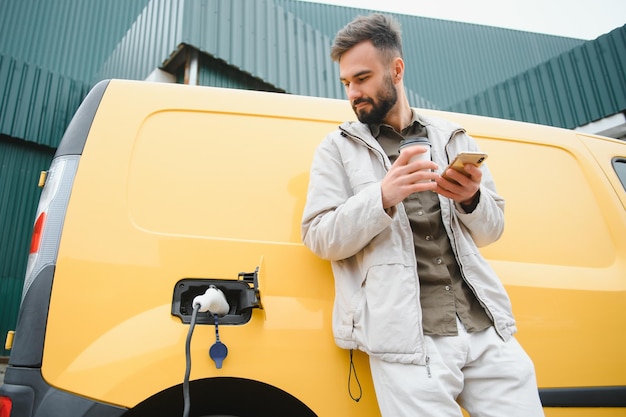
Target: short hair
382, 30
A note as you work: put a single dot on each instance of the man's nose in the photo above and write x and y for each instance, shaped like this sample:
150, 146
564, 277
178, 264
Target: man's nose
353, 92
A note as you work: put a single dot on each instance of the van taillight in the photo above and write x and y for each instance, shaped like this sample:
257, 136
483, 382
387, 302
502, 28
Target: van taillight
53, 202
5, 406
37, 231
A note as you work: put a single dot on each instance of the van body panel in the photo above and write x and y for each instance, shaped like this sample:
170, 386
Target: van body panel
178, 188
197, 183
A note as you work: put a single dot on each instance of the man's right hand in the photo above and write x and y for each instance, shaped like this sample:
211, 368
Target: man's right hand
405, 178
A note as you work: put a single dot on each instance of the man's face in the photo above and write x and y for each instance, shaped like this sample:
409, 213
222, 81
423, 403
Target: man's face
368, 82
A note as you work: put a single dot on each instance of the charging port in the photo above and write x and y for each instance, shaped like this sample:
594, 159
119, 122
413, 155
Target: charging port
242, 296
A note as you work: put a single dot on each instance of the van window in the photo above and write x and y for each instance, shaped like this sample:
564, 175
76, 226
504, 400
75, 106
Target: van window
619, 164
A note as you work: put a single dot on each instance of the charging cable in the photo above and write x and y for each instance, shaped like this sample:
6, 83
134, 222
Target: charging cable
186, 398
213, 301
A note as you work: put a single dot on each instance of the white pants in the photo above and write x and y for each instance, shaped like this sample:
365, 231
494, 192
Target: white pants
478, 371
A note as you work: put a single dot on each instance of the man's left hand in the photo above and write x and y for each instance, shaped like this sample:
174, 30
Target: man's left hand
465, 192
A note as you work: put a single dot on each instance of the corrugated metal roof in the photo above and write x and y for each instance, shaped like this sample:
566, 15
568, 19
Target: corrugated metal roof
582, 85
273, 43
256, 36
37, 105
261, 38
287, 43
20, 164
447, 61
284, 42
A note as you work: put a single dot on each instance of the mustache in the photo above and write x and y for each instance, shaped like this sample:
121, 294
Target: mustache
362, 100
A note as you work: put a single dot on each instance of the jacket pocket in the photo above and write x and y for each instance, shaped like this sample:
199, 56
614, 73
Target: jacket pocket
361, 180
388, 319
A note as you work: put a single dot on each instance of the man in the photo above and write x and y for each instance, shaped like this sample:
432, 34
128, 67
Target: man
412, 290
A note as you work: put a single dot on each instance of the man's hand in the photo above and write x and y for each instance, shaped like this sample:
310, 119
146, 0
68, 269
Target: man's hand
405, 178
467, 188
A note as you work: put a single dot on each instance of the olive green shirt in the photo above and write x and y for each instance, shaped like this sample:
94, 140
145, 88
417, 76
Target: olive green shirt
444, 294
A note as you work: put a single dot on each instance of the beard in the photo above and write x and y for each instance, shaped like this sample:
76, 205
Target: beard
385, 100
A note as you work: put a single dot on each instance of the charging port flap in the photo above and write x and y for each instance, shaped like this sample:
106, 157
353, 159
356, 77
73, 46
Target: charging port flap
242, 296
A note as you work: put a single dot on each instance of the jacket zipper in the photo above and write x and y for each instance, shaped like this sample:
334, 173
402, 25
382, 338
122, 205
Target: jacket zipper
381, 156
456, 249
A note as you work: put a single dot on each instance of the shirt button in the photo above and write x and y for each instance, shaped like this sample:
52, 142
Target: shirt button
438, 261
420, 213
429, 237
447, 288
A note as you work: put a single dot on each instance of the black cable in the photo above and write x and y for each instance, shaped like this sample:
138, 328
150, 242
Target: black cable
186, 398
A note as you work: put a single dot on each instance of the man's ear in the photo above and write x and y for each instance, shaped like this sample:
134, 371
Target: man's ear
397, 69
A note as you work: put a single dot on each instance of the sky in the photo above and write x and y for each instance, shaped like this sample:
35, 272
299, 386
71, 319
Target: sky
580, 19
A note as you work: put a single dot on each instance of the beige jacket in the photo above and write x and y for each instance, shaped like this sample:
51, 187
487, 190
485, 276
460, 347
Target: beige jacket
377, 304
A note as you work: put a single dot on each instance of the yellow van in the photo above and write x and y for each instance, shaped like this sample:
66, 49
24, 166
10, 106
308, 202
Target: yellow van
159, 193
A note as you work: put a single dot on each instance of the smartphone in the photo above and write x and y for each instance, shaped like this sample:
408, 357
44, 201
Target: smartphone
462, 159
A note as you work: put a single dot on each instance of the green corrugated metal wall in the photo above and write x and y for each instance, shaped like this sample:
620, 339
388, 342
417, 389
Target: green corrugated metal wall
37, 104
20, 165
582, 85
216, 73
69, 37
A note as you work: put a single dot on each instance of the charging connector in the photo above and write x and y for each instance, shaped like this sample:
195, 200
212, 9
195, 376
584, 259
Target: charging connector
213, 300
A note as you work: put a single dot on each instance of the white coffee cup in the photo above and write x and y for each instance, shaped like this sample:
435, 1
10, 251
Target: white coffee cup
416, 141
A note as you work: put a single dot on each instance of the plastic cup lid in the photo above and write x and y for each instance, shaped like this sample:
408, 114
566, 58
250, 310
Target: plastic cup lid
415, 141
